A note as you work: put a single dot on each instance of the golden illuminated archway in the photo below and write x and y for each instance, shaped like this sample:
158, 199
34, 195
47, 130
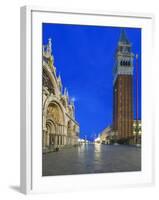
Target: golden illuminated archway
55, 124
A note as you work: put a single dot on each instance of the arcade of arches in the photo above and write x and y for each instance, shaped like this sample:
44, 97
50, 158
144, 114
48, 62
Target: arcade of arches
59, 125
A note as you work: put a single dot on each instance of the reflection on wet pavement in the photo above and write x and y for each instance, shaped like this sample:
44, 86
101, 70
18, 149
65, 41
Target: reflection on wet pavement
92, 158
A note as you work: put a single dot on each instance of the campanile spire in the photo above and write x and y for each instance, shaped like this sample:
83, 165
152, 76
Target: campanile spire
123, 37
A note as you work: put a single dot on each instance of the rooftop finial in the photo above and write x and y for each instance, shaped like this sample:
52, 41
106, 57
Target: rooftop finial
49, 46
67, 94
65, 91
59, 77
72, 101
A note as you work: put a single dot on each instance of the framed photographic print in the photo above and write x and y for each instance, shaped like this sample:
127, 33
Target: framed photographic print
86, 103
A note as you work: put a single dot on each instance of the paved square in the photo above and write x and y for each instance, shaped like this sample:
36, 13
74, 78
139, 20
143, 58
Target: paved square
92, 158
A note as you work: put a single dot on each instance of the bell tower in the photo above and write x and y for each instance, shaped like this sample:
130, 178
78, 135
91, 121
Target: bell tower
122, 90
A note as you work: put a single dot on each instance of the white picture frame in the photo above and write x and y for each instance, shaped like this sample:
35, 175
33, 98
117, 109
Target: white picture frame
31, 151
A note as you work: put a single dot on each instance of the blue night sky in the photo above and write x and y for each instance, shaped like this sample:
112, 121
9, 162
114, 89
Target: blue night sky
84, 57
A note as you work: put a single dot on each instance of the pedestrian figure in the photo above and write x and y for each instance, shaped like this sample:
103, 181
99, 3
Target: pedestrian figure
57, 148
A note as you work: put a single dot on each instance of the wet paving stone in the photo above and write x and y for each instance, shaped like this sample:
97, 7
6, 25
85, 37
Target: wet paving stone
92, 158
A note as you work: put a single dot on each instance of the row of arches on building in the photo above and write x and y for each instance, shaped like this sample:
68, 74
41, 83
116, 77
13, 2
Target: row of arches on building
58, 129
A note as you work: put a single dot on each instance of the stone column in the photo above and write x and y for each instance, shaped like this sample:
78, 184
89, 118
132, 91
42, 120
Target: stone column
64, 140
43, 139
67, 140
55, 140
47, 139
59, 139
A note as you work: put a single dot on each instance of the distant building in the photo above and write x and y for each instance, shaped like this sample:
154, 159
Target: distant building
97, 140
123, 90
60, 127
137, 131
105, 136
83, 141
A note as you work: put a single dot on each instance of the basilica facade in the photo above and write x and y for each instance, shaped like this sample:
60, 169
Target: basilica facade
60, 128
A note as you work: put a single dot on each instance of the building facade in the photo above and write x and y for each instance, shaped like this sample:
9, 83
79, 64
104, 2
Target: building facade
106, 135
59, 125
137, 131
123, 90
